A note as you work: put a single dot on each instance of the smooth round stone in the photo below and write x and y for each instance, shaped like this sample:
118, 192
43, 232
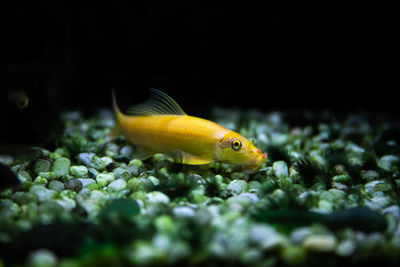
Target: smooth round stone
320, 243
280, 169
61, 167
184, 212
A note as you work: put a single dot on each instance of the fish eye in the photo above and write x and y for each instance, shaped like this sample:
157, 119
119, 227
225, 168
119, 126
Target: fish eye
236, 144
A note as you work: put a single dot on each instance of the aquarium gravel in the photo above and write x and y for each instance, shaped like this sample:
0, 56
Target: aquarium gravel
328, 194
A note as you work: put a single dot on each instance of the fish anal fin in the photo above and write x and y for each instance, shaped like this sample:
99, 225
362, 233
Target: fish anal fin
143, 152
187, 158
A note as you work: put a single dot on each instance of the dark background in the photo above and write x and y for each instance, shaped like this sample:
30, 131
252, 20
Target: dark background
69, 56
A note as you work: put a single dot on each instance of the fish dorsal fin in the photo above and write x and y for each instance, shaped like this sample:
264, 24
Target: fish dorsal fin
158, 104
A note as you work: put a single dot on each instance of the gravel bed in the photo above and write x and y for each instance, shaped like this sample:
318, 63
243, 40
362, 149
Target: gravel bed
328, 193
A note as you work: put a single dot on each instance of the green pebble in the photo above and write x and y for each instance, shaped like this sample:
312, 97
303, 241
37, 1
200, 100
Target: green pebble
13, 210
280, 169
79, 171
97, 163
320, 243
68, 194
328, 196
56, 185
292, 171
280, 197
73, 184
135, 162
103, 179
346, 248
165, 224
27, 185
85, 181
153, 180
134, 167
6, 160
269, 186
269, 172
24, 176
121, 173
55, 155
397, 182
48, 175
62, 151
117, 185
92, 172
6, 193
109, 153
40, 181
369, 175
42, 192
139, 195
159, 157
24, 198
145, 254
157, 197
42, 258
106, 160
325, 205
239, 175
338, 194
92, 186
343, 179
286, 183
41, 165
61, 167
293, 255
387, 162
197, 196
219, 179
134, 184
164, 171
49, 211
237, 187
30, 212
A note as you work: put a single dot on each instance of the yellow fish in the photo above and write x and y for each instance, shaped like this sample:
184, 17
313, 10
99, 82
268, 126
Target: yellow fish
159, 125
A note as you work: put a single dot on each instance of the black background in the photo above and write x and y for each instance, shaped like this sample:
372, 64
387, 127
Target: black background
69, 56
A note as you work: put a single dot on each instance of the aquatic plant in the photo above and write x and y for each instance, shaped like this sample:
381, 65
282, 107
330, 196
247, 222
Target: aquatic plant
311, 172
278, 153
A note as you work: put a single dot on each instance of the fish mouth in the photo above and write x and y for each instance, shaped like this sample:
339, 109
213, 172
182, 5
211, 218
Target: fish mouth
259, 158
256, 163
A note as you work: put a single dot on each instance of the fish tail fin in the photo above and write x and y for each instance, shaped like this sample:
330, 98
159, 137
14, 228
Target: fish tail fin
114, 102
115, 131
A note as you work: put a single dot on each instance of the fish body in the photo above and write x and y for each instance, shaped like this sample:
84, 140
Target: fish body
160, 126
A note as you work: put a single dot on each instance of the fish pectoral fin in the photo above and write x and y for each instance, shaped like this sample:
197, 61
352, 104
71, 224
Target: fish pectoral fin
143, 152
187, 158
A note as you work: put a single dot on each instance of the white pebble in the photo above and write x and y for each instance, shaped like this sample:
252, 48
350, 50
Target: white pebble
184, 212
117, 185
320, 243
280, 169
386, 162
265, 236
157, 197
